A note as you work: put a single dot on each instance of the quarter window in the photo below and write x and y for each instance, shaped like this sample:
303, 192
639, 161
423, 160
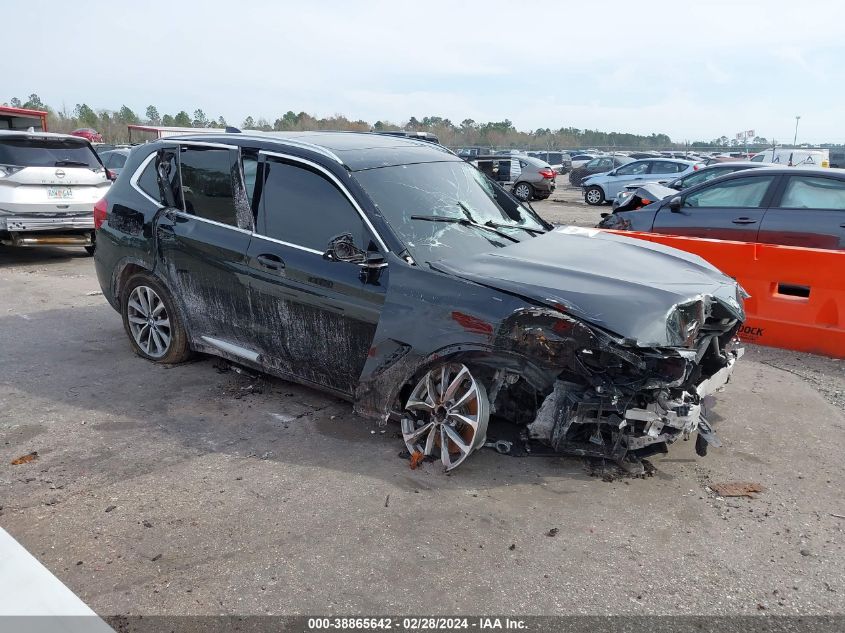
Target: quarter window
806, 192
148, 182
302, 207
207, 183
739, 193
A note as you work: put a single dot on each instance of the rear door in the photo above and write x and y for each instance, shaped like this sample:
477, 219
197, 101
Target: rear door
314, 317
202, 236
728, 210
809, 211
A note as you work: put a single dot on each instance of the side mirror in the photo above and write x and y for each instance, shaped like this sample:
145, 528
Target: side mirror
612, 172
342, 249
675, 204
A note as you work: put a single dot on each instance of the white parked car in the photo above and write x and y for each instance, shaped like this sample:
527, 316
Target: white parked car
49, 184
599, 188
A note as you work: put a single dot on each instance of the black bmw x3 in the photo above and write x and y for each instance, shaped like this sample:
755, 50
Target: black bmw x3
392, 273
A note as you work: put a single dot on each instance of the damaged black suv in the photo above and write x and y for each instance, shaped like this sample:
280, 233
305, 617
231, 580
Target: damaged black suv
391, 272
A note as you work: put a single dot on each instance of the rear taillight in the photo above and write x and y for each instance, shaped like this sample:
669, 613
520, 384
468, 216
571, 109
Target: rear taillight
547, 173
111, 175
100, 211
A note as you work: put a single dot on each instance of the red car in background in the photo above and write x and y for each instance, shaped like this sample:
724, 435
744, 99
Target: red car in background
92, 135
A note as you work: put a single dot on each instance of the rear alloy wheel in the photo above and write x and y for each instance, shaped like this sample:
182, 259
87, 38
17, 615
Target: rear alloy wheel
448, 412
594, 196
150, 320
523, 191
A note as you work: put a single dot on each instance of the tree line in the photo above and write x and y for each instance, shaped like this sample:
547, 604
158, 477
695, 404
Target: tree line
499, 134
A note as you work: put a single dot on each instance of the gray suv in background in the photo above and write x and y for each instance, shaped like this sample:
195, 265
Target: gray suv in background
49, 184
526, 177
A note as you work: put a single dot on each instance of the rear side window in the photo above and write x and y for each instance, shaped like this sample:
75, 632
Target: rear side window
303, 208
806, 192
207, 183
47, 152
665, 167
758, 159
738, 193
148, 182
117, 161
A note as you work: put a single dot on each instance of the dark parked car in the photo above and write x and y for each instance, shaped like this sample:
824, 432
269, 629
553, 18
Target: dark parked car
774, 205
597, 165
392, 273
114, 160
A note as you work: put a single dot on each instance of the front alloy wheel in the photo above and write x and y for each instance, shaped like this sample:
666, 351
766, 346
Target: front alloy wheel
448, 411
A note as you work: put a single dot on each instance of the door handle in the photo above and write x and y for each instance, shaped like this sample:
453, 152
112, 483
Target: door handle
744, 220
270, 262
842, 226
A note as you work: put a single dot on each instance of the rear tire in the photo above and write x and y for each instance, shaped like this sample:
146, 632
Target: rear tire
151, 321
523, 191
594, 196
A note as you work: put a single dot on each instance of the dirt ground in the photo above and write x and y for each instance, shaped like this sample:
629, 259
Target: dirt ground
192, 490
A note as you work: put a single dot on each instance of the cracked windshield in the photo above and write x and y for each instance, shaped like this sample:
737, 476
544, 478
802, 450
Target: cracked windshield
440, 210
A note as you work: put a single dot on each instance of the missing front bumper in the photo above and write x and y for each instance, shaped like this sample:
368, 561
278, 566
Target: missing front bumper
573, 420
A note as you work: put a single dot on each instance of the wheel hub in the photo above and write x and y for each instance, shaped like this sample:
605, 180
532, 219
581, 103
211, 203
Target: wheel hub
448, 412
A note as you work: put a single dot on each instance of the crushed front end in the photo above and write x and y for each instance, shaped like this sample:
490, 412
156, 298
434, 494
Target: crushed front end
619, 400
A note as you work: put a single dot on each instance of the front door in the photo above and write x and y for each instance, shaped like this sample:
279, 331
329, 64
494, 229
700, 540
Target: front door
314, 317
728, 210
810, 213
202, 242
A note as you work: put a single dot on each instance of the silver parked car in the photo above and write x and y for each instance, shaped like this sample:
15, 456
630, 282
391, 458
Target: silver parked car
602, 187
49, 184
526, 177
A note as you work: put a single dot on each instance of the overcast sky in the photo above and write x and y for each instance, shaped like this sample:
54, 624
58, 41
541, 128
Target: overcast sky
693, 69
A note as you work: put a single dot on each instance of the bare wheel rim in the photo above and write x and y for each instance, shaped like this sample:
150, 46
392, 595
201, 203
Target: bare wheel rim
447, 412
593, 195
523, 192
149, 321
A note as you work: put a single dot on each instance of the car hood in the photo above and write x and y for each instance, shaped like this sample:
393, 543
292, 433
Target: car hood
621, 284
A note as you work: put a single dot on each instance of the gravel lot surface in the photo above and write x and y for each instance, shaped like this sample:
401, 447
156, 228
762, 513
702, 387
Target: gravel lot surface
184, 490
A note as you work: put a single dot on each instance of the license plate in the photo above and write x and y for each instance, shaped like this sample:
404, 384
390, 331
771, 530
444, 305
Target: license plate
59, 193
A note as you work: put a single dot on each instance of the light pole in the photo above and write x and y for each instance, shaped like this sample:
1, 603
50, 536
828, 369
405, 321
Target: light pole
795, 139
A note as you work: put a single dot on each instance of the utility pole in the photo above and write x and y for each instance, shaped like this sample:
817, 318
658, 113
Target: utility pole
795, 139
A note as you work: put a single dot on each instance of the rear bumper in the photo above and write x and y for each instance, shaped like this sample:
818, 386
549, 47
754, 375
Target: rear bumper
34, 223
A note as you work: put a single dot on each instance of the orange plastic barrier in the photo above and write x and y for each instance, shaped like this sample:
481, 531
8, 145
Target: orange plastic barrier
797, 294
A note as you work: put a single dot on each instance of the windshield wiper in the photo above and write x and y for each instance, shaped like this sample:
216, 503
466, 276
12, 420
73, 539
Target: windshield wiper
71, 163
463, 222
501, 225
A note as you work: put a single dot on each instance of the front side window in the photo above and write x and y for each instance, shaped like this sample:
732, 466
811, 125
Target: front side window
807, 192
447, 209
207, 183
632, 169
304, 208
759, 158
738, 193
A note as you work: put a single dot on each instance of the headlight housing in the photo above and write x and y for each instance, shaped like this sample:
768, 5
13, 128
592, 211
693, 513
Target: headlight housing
684, 323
